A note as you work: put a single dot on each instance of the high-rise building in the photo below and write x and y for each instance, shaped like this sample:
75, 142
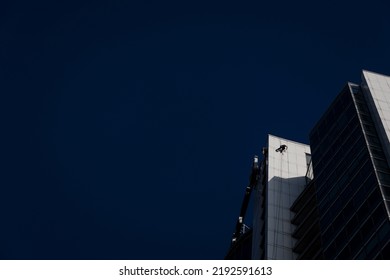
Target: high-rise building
332, 202
350, 148
282, 176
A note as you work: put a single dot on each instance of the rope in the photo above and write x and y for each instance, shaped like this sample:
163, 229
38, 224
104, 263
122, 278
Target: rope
278, 203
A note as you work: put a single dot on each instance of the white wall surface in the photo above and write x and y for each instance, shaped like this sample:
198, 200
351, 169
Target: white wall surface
376, 90
286, 180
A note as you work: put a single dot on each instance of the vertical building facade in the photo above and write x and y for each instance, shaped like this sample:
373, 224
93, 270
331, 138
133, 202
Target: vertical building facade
352, 173
282, 179
329, 200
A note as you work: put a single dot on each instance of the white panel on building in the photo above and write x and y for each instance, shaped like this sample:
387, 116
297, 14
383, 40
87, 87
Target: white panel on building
376, 89
285, 180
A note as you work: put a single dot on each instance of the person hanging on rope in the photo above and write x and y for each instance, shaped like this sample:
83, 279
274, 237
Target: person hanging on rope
281, 149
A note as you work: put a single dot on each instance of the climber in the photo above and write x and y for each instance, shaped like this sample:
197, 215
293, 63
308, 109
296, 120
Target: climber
281, 149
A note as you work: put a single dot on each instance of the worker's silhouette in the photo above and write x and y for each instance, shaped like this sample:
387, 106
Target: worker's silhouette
281, 149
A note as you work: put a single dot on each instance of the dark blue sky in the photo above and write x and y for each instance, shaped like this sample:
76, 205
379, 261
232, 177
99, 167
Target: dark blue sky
128, 127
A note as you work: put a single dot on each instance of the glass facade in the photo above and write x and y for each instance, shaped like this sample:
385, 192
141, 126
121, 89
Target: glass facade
376, 105
352, 211
307, 232
330, 200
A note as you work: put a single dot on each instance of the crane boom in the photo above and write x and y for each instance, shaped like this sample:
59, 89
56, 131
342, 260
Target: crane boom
253, 179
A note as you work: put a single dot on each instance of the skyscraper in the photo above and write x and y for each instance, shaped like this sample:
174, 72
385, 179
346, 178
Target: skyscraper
282, 180
334, 203
351, 167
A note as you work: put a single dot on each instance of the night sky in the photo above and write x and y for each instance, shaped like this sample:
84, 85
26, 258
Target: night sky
128, 127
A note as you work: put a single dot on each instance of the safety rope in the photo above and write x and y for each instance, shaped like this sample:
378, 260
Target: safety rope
278, 200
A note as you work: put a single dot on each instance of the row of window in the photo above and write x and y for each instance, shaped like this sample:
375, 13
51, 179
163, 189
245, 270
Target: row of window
343, 210
324, 156
376, 247
358, 231
362, 184
372, 236
338, 106
350, 202
305, 210
375, 147
343, 122
342, 175
342, 170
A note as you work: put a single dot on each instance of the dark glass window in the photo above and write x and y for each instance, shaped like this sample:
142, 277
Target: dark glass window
386, 191
350, 203
381, 164
384, 177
